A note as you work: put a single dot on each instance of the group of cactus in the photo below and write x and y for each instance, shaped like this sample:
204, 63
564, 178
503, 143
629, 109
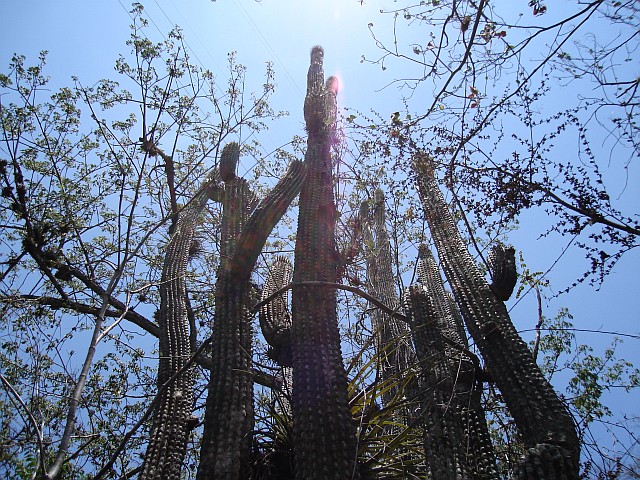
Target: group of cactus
304, 339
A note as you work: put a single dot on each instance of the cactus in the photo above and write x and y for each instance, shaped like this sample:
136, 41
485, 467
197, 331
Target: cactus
324, 433
172, 420
393, 342
456, 437
275, 323
502, 268
227, 440
275, 318
545, 425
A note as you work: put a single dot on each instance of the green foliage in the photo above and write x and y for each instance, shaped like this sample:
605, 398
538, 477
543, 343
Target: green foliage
388, 448
88, 194
591, 376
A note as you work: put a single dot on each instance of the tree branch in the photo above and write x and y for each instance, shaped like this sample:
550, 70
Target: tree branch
16, 395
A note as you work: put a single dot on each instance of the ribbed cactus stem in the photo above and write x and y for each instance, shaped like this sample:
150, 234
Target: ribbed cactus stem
275, 317
275, 323
456, 438
227, 438
443, 433
429, 276
393, 340
172, 421
324, 433
544, 423
229, 161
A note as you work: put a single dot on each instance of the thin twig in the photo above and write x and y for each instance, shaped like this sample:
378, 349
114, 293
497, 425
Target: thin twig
339, 286
388, 310
536, 343
32, 419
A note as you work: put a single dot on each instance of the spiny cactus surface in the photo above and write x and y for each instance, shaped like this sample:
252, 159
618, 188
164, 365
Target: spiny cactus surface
394, 343
456, 437
227, 438
324, 435
172, 419
275, 317
545, 425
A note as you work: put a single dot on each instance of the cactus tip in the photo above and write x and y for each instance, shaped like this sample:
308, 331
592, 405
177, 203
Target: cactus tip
317, 54
333, 84
423, 251
378, 195
229, 161
364, 209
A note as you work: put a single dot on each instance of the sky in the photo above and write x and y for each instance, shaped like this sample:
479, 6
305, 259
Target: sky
84, 37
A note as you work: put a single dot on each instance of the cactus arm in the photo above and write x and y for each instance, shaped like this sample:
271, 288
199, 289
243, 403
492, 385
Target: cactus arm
172, 419
324, 434
227, 440
450, 326
542, 420
443, 434
502, 267
264, 218
396, 361
275, 323
275, 318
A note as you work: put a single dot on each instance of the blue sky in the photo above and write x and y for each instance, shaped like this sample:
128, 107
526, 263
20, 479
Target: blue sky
84, 38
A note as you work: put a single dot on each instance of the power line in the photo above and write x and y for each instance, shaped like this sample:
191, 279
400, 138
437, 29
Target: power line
266, 43
184, 41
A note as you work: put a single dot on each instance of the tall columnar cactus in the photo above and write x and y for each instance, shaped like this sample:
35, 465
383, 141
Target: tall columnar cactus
172, 419
275, 323
226, 443
456, 437
394, 342
545, 425
275, 317
324, 433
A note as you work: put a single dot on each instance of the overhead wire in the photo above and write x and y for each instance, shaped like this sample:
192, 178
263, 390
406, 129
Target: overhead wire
194, 33
261, 38
266, 43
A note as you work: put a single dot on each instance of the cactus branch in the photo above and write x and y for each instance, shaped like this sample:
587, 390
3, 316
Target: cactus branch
456, 437
543, 421
171, 422
227, 439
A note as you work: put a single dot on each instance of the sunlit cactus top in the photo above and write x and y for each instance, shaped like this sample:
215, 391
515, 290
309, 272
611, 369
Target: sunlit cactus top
314, 107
